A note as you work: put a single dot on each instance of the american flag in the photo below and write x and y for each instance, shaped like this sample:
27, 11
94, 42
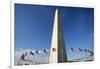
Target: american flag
45, 51
37, 52
32, 53
80, 49
73, 49
23, 57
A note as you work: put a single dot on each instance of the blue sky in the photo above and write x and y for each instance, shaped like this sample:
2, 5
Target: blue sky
34, 26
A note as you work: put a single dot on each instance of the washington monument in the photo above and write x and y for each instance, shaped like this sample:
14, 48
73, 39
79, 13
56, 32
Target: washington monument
58, 52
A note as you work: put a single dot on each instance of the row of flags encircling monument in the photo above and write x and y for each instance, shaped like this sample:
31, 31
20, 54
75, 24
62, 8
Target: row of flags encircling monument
45, 51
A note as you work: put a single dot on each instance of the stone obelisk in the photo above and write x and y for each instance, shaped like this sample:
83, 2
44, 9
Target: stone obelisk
58, 52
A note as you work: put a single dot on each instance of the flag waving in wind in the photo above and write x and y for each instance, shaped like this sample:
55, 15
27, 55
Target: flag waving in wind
73, 49
23, 57
80, 49
37, 52
44, 50
91, 53
32, 53
85, 50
